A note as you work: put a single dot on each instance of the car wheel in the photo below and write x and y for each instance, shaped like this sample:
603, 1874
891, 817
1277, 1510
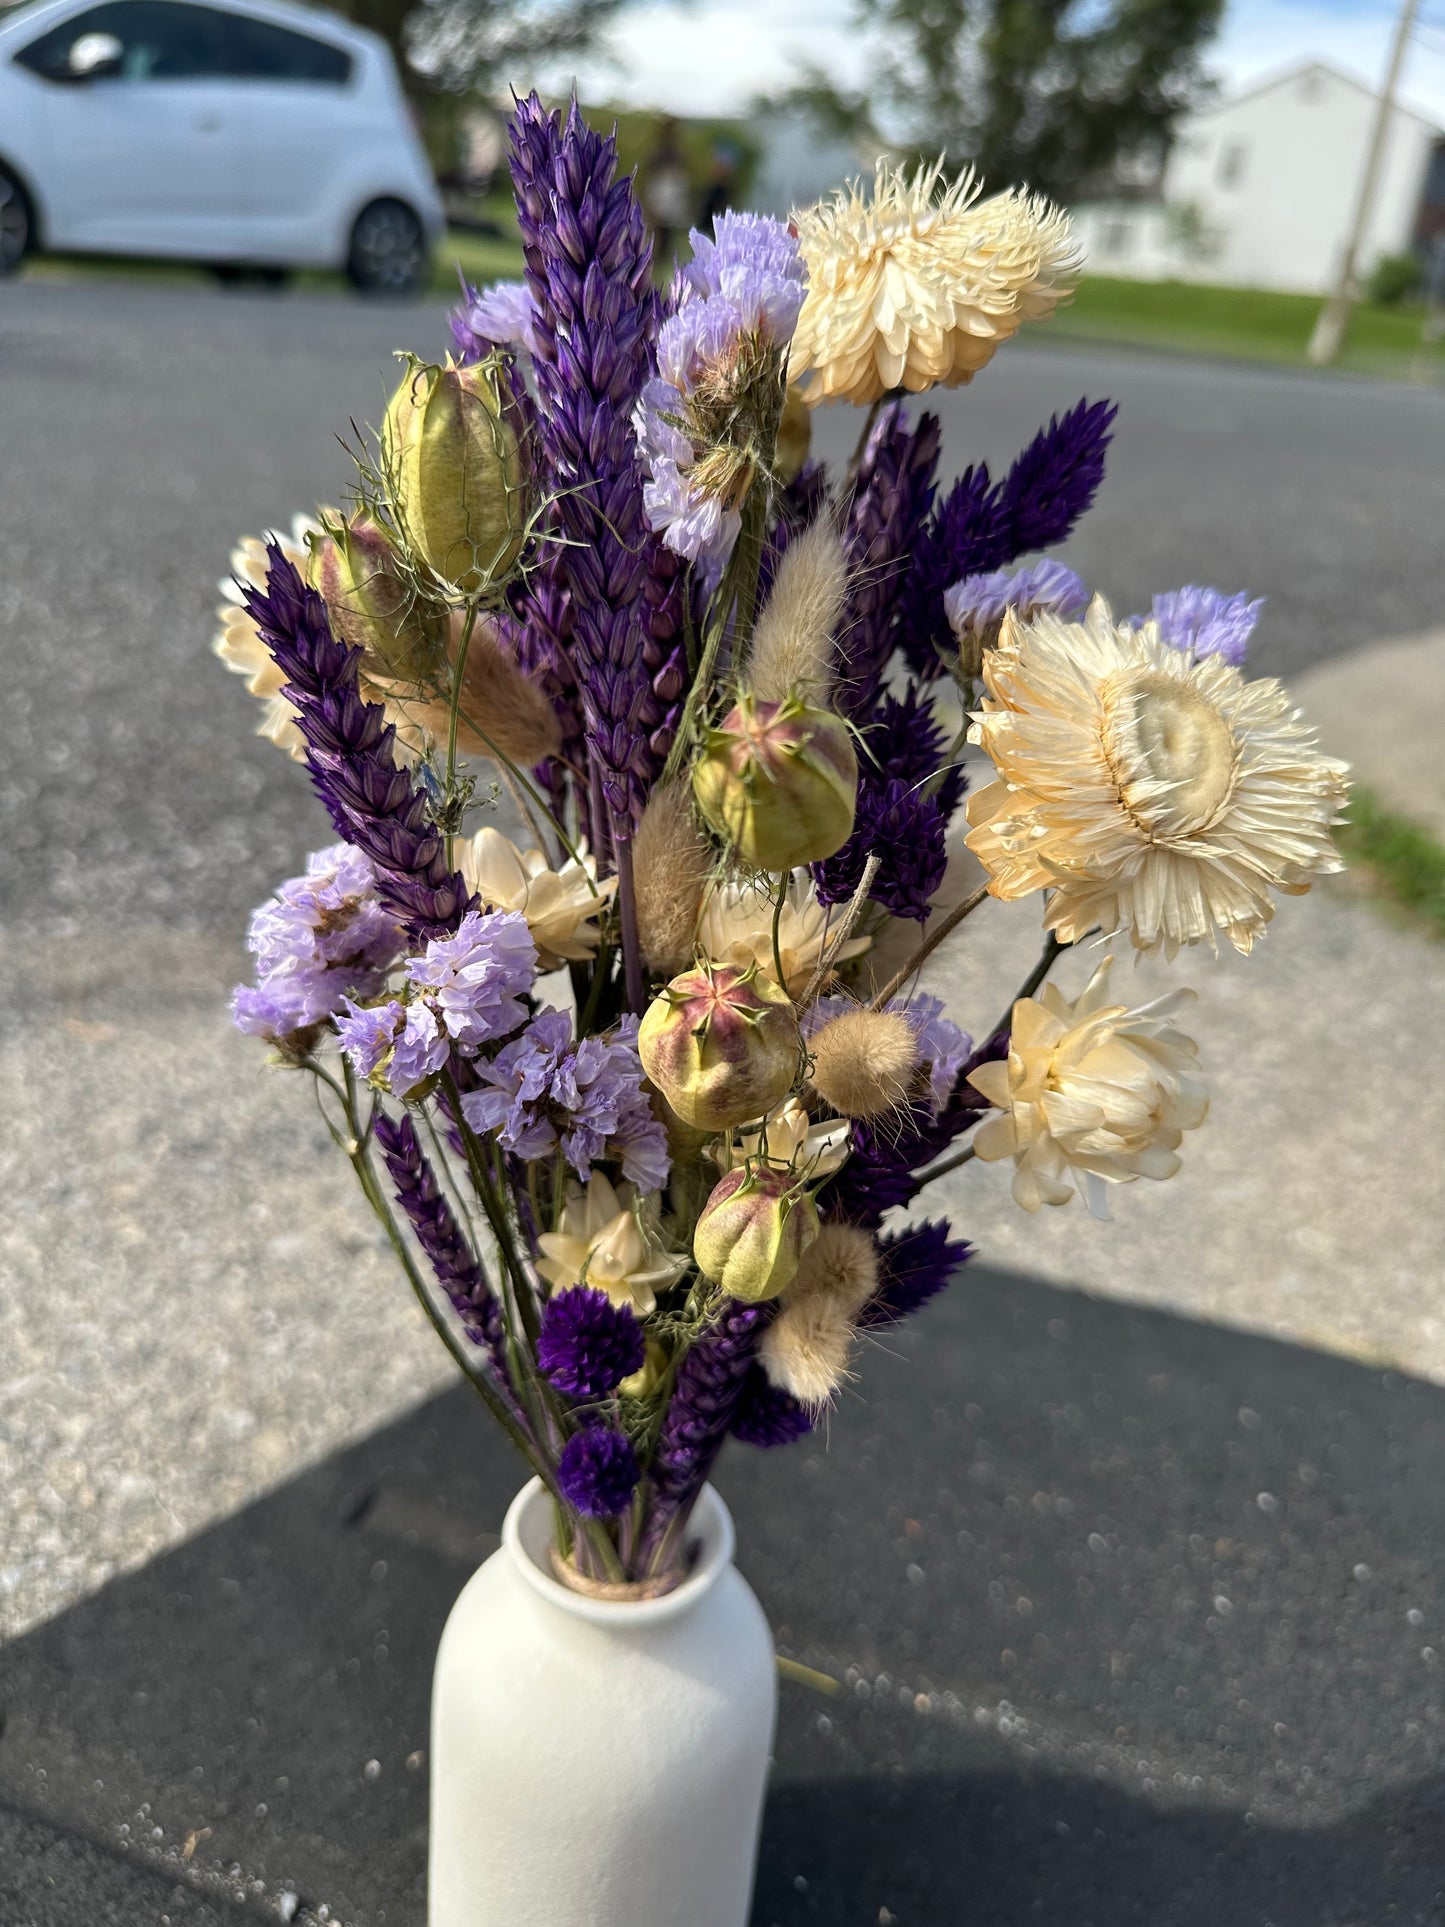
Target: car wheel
17, 227
389, 253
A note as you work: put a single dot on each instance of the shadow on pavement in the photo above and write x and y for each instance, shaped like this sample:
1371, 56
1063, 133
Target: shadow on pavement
1134, 1620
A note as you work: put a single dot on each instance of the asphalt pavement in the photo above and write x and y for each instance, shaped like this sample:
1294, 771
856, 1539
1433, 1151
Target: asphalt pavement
196, 1309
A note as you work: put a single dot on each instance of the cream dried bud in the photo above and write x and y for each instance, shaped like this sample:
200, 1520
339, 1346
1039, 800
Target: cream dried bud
353, 567
671, 862
457, 469
753, 1232
864, 1062
722, 1045
792, 648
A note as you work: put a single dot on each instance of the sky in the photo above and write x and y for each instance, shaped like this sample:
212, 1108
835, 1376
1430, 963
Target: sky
713, 56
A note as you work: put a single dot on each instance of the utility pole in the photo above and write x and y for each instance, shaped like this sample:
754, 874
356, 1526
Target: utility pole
1329, 335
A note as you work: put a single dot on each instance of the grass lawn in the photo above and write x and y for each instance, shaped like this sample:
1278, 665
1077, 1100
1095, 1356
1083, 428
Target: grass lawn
1250, 323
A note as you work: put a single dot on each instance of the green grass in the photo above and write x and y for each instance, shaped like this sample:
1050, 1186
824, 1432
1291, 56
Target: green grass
1250, 323
1403, 862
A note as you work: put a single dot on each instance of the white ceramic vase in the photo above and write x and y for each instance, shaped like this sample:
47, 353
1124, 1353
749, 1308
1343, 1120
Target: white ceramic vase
598, 1763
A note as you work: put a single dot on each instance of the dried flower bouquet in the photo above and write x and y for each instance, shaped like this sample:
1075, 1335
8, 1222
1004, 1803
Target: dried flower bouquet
635, 1097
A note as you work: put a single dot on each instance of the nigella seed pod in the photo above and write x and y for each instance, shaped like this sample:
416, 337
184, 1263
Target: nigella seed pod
353, 567
722, 1045
753, 1232
457, 469
779, 782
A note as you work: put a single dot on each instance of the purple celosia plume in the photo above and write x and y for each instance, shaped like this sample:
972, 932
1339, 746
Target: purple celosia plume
981, 525
916, 1264
440, 1237
704, 1402
1206, 622
588, 1345
890, 504
588, 269
597, 1472
371, 803
543, 1091
321, 935
768, 1415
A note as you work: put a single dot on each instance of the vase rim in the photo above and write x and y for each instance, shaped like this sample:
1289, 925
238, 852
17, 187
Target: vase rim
527, 1536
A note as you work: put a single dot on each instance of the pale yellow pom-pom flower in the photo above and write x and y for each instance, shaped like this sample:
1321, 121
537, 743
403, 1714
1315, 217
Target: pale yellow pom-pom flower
863, 1061
1092, 1091
919, 285
1148, 791
806, 1348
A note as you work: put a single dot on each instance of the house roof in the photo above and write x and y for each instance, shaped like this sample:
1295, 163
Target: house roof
1282, 77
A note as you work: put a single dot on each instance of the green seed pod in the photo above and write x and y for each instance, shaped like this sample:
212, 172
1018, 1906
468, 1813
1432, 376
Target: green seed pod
779, 782
353, 567
457, 468
753, 1231
721, 1044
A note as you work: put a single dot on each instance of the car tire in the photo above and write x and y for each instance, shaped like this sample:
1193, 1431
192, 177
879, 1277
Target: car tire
17, 223
388, 254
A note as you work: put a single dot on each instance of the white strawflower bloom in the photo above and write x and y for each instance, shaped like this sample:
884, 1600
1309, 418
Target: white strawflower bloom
788, 1136
917, 286
1146, 790
561, 906
736, 927
1092, 1091
608, 1239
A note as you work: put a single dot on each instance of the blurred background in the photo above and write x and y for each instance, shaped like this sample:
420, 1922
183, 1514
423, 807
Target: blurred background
216, 225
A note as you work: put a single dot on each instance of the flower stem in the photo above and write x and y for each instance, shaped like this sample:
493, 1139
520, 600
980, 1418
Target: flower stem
627, 921
945, 928
777, 922
942, 1169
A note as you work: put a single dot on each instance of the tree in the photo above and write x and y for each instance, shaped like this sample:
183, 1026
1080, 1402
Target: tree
482, 45
1051, 93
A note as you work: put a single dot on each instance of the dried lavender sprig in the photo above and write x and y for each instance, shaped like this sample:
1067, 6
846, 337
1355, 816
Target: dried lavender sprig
891, 501
982, 525
588, 266
704, 1400
440, 1237
371, 802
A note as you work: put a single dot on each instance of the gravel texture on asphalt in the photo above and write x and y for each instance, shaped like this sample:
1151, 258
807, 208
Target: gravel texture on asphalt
196, 1303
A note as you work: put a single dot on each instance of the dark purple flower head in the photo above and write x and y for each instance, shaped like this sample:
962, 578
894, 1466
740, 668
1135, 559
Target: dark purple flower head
766, 1414
916, 1265
1057, 477
588, 1345
597, 1472
902, 825
891, 501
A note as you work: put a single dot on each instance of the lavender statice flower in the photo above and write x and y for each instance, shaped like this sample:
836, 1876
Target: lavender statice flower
768, 1415
501, 316
977, 605
588, 1345
319, 936
597, 1472
701, 421
1206, 622
406, 1038
588, 268
705, 1399
891, 501
916, 1264
371, 803
440, 1237
475, 980
543, 1091
981, 525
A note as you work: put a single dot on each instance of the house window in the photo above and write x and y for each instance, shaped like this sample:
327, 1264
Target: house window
1230, 171
1116, 237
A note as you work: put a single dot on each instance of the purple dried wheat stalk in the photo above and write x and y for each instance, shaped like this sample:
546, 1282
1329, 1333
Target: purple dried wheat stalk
891, 501
704, 1399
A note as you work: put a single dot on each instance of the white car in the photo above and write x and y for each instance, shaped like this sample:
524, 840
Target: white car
249, 135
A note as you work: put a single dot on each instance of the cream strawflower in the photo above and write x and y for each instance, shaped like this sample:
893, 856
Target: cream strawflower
788, 1136
919, 285
736, 927
561, 906
238, 641
1147, 790
610, 1240
1092, 1089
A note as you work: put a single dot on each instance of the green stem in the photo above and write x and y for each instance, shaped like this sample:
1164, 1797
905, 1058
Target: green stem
777, 921
942, 1170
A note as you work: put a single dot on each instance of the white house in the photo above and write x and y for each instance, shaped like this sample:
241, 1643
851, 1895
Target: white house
1258, 191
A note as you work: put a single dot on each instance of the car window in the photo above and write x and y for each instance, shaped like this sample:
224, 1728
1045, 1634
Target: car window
172, 40
160, 40
259, 51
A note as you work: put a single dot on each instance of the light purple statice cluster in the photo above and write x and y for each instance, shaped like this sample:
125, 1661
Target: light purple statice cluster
465, 991
977, 606
502, 316
320, 936
1206, 622
543, 1091
738, 302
